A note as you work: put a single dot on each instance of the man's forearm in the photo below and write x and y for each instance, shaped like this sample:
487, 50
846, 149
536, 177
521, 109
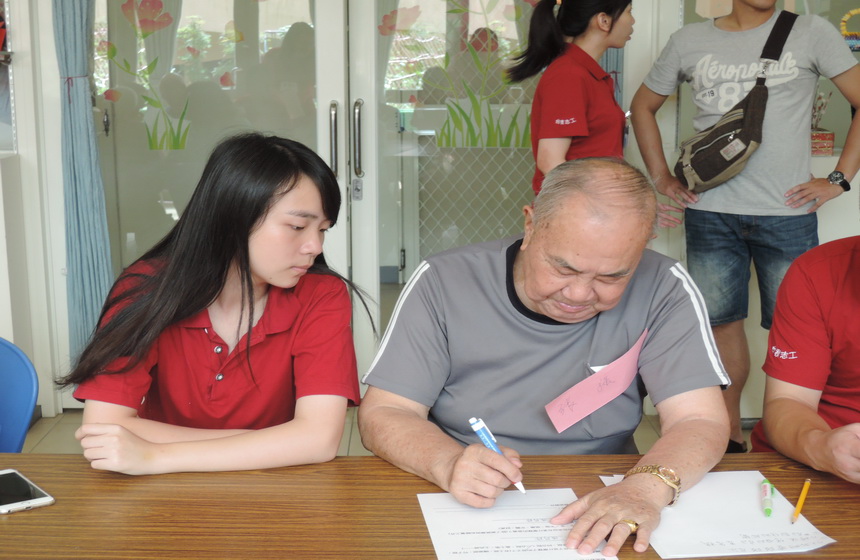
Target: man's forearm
849, 160
409, 442
650, 143
691, 448
848, 84
791, 427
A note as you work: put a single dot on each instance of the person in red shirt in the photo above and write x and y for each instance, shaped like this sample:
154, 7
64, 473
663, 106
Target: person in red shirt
812, 392
574, 111
227, 346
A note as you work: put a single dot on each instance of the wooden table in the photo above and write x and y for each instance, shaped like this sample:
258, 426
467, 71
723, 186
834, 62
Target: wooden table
353, 507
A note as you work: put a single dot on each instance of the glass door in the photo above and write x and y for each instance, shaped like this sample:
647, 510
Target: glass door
454, 162
174, 77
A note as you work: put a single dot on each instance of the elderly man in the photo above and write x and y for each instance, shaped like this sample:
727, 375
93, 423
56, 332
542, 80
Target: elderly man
812, 393
571, 324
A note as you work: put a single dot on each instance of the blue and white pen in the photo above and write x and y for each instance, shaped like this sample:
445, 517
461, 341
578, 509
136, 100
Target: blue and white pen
490, 442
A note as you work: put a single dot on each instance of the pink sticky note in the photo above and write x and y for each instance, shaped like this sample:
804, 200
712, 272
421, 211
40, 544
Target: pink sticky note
595, 391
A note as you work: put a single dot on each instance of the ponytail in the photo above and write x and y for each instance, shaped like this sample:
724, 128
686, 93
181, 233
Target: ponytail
546, 43
547, 31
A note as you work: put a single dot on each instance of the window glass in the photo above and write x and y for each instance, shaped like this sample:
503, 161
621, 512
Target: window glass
7, 137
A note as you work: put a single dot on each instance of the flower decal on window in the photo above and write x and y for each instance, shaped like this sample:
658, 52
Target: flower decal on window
398, 20
226, 79
147, 16
163, 131
233, 34
106, 49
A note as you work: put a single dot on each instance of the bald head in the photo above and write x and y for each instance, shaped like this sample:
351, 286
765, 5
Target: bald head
584, 238
607, 187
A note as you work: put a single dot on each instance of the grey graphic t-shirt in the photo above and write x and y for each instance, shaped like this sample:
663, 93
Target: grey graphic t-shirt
721, 67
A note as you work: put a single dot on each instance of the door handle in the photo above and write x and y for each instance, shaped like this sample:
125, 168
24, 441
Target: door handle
332, 134
356, 138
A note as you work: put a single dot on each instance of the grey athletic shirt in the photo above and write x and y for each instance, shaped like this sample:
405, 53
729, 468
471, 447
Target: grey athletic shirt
721, 67
461, 343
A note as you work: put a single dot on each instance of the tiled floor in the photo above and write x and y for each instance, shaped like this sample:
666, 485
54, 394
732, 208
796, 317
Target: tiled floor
54, 435
57, 435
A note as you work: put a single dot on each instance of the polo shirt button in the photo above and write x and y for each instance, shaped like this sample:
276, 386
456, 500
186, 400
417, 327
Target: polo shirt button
218, 349
219, 377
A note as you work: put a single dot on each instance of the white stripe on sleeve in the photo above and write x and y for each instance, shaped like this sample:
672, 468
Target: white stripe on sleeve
422, 268
702, 315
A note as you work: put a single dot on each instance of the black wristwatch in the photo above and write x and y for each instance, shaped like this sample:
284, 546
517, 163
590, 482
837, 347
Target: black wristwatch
838, 178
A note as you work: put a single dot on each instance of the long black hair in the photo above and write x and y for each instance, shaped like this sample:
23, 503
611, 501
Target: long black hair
547, 31
244, 176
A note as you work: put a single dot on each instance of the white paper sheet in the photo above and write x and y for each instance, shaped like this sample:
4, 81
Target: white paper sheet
516, 527
722, 516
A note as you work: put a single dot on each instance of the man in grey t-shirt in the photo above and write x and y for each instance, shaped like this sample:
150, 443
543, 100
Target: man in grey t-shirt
765, 214
553, 340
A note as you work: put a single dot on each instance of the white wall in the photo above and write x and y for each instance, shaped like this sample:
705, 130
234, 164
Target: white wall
6, 330
656, 20
32, 200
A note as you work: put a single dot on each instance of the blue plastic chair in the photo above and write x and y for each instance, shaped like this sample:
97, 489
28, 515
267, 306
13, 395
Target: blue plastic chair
19, 387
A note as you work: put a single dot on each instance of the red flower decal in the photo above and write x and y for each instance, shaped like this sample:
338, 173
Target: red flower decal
226, 79
192, 51
112, 95
106, 48
398, 20
146, 16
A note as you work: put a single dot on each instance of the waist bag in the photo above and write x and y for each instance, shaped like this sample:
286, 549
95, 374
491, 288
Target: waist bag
718, 153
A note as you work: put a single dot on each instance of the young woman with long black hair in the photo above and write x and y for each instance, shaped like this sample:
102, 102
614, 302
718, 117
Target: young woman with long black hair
227, 346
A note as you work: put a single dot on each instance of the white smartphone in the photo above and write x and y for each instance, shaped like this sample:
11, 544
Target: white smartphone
18, 493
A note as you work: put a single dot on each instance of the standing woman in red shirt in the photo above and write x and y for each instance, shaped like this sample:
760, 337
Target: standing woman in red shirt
574, 112
227, 346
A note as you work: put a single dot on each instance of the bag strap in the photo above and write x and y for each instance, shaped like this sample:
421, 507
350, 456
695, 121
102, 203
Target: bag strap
778, 35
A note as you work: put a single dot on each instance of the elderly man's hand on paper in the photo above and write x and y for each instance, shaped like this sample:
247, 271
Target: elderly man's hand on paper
600, 514
477, 476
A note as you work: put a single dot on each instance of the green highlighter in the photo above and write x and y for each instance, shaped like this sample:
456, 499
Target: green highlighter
767, 497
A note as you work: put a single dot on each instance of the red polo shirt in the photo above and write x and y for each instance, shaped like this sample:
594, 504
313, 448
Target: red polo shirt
302, 345
813, 342
575, 98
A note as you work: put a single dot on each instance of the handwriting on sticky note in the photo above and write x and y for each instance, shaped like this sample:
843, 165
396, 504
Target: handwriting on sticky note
596, 390
605, 383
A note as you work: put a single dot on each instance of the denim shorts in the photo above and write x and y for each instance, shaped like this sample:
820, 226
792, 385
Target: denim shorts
721, 246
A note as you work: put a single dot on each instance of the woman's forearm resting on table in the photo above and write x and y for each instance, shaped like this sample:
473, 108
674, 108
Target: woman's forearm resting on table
136, 446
